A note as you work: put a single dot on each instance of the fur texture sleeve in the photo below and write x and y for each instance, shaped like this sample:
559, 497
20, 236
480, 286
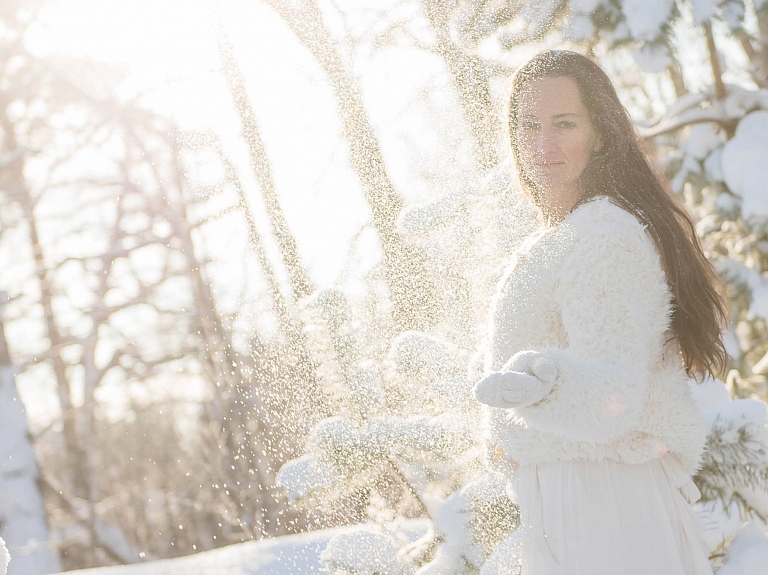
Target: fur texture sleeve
615, 308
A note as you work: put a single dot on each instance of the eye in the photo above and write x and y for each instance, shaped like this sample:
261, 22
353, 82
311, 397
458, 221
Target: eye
566, 124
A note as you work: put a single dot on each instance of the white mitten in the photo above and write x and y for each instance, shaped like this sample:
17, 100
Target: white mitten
508, 389
533, 363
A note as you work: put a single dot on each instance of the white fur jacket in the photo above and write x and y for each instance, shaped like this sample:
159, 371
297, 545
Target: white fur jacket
591, 295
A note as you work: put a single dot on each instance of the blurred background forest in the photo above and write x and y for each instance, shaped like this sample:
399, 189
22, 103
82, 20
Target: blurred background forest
240, 237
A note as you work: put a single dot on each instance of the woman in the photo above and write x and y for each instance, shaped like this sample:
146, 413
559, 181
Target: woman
598, 324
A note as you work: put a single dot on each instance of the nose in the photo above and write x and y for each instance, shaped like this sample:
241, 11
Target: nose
544, 141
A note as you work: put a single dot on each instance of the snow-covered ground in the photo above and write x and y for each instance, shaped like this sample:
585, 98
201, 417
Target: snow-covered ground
289, 555
300, 554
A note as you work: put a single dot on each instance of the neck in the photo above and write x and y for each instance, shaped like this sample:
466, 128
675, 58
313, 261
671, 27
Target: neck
555, 212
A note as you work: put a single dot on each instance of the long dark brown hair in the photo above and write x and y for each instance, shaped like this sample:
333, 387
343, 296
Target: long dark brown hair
621, 170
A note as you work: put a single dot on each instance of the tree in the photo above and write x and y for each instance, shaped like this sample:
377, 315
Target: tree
411, 290
108, 233
407, 456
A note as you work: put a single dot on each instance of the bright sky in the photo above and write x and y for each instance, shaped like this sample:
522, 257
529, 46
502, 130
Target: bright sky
168, 48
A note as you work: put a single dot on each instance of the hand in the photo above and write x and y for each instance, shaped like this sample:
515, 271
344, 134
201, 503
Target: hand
507, 389
533, 363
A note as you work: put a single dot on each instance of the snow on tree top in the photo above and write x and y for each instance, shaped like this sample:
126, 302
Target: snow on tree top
646, 17
744, 167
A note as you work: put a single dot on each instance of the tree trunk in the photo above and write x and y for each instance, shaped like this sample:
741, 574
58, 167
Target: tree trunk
676, 75
470, 76
297, 275
714, 62
25, 201
411, 290
758, 55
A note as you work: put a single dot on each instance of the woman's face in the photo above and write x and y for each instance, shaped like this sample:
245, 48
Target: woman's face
555, 139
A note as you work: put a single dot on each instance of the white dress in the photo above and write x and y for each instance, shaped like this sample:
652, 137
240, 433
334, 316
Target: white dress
610, 518
606, 457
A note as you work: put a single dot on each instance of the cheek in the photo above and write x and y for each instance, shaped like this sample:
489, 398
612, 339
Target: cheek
578, 146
